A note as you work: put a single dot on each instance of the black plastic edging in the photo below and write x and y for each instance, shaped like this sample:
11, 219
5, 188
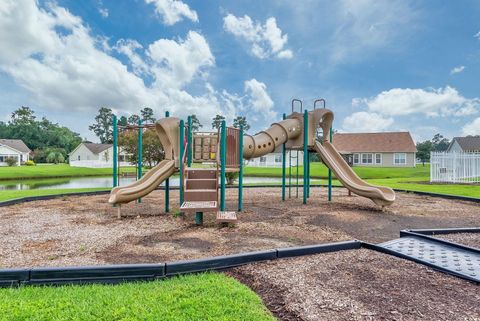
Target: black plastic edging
147, 272
380, 249
317, 249
446, 196
434, 231
407, 233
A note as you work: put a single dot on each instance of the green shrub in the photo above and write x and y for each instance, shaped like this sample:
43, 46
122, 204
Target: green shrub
30, 163
11, 161
231, 177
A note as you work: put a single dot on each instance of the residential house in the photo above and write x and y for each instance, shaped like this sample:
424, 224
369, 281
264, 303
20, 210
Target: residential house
13, 148
468, 144
96, 155
385, 149
275, 159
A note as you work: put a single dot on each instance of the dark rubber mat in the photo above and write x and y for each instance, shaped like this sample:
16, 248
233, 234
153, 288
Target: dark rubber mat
448, 258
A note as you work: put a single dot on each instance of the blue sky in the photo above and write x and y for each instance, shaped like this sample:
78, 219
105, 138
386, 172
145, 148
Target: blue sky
381, 65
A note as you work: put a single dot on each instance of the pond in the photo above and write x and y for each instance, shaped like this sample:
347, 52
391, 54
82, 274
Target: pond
99, 182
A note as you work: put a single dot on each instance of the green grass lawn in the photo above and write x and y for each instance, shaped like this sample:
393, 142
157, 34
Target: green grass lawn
208, 296
11, 194
60, 170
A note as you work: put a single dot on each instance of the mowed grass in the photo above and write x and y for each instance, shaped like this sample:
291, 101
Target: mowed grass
12, 194
60, 170
208, 296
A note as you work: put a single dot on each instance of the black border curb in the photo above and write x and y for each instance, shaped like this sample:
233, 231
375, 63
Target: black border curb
109, 274
434, 231
446, 196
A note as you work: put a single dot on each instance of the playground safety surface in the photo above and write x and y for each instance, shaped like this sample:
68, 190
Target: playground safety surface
84, 230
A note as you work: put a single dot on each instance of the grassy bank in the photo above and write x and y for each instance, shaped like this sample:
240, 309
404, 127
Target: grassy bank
8, 195
55, 171
210, 296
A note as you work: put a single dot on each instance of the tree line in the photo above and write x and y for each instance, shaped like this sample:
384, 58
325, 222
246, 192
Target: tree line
152, 150
437, 144
50, 142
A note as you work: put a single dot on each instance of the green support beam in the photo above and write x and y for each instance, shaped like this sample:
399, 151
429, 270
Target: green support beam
167, 183
180, 168
284, 161
198, 218
115, 151
330, 173
189, 141
140, 153
223, 147
240, 170
305, 156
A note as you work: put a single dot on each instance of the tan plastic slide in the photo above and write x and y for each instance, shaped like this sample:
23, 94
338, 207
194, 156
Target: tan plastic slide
144, 185
380, 195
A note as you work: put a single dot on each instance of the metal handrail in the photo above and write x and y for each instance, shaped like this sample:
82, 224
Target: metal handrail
319, 100
301, 104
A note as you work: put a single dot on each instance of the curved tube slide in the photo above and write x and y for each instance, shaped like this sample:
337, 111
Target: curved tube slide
144, 185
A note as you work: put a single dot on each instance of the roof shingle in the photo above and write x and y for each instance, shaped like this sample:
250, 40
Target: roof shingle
374, 142
469, 143
97, 148
16, 144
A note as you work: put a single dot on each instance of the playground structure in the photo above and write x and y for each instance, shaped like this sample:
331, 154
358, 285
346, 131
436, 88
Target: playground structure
200, 190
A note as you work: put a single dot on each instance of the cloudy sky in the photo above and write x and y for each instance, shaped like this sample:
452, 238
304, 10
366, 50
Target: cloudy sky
381, 65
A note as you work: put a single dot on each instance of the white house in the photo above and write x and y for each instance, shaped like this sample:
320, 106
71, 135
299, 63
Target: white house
275, 159
96, 155
468, 144
13, 148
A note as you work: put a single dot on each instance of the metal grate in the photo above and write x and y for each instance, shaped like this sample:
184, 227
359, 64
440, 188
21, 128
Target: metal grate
435, 254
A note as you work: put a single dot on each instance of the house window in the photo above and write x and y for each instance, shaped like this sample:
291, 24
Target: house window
278, 158
400, 159
263, 159
2, 159
367, 158
78, 157
378, 158
356, 158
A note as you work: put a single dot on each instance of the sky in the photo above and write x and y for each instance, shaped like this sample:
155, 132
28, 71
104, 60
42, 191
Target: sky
393, 65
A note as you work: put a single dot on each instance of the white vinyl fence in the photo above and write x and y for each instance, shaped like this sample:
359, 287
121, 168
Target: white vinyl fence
97, 164
455, 167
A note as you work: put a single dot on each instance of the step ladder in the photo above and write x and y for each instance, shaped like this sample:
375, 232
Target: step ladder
200, 190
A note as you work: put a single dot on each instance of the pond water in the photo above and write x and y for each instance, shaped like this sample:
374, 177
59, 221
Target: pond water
99, 182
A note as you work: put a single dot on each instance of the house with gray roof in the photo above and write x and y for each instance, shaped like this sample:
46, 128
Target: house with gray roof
468, 144
13, 148
88, 154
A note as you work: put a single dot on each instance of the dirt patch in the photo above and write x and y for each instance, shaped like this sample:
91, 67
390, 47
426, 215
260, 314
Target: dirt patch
468, 239
86, 231
360, 285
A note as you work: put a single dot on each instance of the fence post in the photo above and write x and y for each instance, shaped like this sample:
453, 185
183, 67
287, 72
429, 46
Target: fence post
223, 147
115, 154
167, 183
140, 153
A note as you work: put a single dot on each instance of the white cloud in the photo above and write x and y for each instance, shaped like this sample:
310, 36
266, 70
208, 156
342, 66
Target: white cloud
366, 122
477, 35
472, 128
178, 62
69, 70
457, 70
366, 26
431, 102
103, 12
266, 40
173, 11
259, 100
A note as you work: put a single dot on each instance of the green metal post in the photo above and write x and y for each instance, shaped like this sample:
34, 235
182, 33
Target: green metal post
180, 168
330, 174
297, 183
284, 160
189, 141
290, 174
198, 218
223, 154
167, 183
308, 175
240, 170
140, 153
305, 156
115, 147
